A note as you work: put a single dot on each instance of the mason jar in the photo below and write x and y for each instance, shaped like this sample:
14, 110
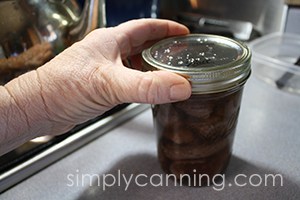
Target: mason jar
195, 136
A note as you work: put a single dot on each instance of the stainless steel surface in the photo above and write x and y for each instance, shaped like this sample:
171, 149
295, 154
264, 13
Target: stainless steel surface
68, 145
42, 28
292, 19
240, 29
237, 29
266, 16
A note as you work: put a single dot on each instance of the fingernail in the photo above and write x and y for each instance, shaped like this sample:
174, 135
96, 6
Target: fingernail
180, 92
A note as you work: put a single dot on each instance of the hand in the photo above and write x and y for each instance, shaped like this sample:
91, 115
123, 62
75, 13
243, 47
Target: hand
89, 78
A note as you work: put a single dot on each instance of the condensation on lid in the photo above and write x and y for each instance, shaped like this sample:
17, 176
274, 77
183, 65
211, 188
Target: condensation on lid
211, 63
188, 53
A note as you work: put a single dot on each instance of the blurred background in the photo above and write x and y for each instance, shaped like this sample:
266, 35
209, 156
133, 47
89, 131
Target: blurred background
219, 16
118, 11
29, 28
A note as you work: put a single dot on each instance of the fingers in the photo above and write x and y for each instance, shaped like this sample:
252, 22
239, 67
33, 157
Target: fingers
128, 39
145, 87
133, 35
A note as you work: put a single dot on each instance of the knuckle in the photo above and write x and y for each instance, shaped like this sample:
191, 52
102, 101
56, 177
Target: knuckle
148, 89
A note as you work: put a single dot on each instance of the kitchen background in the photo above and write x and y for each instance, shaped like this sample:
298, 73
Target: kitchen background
227, 18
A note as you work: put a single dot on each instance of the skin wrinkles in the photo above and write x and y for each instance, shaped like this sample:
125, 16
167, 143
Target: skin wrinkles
146, 85
20, 108
86, 80
46, 109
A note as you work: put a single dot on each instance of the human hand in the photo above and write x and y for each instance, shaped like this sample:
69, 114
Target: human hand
89, 78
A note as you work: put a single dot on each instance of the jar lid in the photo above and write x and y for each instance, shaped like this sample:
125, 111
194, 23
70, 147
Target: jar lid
211, 63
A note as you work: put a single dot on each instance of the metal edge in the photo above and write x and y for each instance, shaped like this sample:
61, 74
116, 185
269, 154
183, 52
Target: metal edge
67, 146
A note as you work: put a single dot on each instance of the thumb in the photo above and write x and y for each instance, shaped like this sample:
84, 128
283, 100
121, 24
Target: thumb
155, 87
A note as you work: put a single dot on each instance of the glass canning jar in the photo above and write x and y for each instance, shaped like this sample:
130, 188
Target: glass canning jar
195, 136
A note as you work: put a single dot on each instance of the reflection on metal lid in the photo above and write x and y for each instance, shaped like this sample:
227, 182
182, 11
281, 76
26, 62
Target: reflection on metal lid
211, 63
